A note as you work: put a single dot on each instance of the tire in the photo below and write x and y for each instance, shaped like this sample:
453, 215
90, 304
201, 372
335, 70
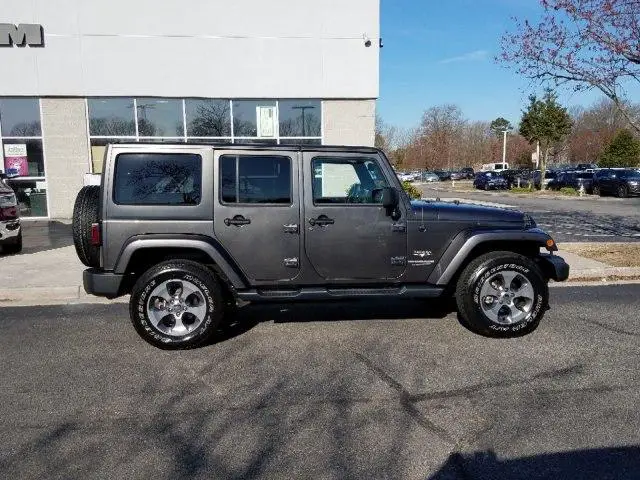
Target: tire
85, 213
15, 246
597, 191
525, 297
623, 192
163, 324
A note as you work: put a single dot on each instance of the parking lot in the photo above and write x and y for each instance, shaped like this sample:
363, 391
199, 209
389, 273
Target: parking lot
587, 219
346, 390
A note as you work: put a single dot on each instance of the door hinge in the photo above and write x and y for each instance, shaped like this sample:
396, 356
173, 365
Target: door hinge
291, 228
399, 227
399, 261
291, 262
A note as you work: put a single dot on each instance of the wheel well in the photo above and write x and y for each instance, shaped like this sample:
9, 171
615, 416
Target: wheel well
145, 258
527, 249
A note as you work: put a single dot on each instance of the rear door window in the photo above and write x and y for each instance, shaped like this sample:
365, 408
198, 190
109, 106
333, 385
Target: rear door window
158, 179
261, 179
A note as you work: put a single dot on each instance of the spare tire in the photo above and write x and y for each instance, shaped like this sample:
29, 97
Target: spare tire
86, 212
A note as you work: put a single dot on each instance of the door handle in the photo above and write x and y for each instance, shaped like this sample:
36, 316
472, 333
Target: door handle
321, 221
238, 221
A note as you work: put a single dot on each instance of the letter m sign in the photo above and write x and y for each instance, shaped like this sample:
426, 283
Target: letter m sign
24, 34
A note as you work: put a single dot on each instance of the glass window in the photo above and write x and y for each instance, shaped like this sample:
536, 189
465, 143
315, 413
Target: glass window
255, 179
208, 118
111, 117
160, 117
300, 118
245, 115
32, 197
20, 117
348, 180
158, 179
32, 165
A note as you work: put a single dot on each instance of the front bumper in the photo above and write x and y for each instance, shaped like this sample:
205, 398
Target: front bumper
9, 229
102, 284
554, 267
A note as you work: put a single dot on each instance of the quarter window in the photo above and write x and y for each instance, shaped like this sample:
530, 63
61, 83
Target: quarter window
349, 180
255, 179
158, 179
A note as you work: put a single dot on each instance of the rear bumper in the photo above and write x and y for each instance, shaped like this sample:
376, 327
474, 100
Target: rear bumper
102, 284
554, 267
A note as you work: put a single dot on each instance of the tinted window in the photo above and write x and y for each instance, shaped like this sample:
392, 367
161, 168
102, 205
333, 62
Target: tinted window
300, 118
111, 117
245, 116
632, 174
208, 118
160, 117
347, 180
255, 179
20, 117
158, 179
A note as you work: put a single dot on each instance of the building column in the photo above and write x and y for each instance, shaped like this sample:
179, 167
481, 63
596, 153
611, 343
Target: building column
349, 122
66, 152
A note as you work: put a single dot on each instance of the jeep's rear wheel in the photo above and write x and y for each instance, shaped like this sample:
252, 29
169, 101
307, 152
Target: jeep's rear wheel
176, 305
502, 294
86, 213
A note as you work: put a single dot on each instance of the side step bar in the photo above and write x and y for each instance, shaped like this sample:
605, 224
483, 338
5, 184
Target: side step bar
321, 293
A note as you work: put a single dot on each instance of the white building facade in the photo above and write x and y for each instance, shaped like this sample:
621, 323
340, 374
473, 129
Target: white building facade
79, 74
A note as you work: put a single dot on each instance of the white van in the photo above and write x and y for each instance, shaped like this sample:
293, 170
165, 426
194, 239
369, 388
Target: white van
495, 167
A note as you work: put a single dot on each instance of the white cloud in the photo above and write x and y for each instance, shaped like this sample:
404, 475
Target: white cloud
475, 56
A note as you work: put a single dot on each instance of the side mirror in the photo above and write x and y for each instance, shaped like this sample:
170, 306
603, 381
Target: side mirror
386, 196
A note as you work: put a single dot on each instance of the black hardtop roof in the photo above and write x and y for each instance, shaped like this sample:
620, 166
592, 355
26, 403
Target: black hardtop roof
260, 146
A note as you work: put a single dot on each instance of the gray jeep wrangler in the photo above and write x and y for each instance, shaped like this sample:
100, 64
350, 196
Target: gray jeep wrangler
188, 230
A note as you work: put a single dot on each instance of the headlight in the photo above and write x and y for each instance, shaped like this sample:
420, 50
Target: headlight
8, 200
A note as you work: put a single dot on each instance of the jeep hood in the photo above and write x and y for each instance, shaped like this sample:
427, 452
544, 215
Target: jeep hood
467, 213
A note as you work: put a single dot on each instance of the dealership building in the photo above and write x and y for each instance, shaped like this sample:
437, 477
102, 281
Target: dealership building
79, 74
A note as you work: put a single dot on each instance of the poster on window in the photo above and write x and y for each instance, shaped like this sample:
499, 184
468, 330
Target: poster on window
266, 117
16, 162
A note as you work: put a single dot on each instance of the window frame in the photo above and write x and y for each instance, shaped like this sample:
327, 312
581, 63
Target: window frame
161, 205
237, 178
376, 159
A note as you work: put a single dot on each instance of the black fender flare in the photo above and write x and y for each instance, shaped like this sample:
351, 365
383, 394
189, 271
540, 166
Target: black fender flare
462, 245
201, 243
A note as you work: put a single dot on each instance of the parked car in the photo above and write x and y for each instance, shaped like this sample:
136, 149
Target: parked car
495, 167
458, 176
586, 166
429, 177
548, 176
490, 181
517, 178
622, 183
443, 175
469, 173
274, 223
10, 228
577, 180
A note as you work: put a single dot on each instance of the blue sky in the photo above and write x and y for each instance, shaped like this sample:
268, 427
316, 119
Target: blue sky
439, 52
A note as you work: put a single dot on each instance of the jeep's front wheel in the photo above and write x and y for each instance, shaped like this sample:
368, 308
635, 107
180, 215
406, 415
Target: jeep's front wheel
176, 305
502, 294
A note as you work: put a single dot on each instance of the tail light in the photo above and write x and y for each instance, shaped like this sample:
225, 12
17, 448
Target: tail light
96, 239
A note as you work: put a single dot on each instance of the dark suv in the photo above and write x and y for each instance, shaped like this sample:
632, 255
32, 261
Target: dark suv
620, 182
188, 230
10, 228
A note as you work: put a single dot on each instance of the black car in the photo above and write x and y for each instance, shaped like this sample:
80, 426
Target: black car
517, 178
620, 182
575, 180
490, 181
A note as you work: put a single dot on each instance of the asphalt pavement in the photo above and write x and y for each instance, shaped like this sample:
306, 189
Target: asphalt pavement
586, 219
347, 390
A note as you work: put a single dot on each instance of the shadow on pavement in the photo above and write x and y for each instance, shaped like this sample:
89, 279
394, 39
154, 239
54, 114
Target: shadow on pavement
39, 236
619, 463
